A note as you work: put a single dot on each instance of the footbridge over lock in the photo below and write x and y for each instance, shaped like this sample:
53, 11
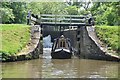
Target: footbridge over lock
84, 39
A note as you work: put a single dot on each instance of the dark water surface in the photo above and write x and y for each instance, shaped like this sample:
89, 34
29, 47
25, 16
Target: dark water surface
64, 68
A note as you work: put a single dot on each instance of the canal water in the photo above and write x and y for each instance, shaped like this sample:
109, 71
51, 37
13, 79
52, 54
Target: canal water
45, 67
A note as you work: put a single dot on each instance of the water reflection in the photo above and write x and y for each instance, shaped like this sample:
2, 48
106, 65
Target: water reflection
75, 68
22, 69
60, 68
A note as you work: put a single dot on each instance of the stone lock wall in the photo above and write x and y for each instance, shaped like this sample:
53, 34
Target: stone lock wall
88, 47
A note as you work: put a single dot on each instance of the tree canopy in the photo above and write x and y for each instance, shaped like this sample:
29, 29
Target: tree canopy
105, 13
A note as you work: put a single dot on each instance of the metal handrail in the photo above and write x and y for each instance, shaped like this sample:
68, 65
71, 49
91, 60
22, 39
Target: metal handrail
52, 15
66, 19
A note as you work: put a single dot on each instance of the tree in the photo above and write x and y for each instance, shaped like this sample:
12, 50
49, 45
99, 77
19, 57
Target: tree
6, 13
19, 11
72, 10
13, 12
47, 7
106, 13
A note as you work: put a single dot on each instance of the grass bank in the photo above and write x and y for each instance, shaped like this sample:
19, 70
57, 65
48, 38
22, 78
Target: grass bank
110, 36
14, 37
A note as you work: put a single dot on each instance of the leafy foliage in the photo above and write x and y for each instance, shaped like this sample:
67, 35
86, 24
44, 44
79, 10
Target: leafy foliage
47, 7
19, 11
14, 12
106, 13
72, 10
7, 15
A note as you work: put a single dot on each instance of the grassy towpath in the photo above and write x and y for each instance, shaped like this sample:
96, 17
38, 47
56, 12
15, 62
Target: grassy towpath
110, 36
14, 37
